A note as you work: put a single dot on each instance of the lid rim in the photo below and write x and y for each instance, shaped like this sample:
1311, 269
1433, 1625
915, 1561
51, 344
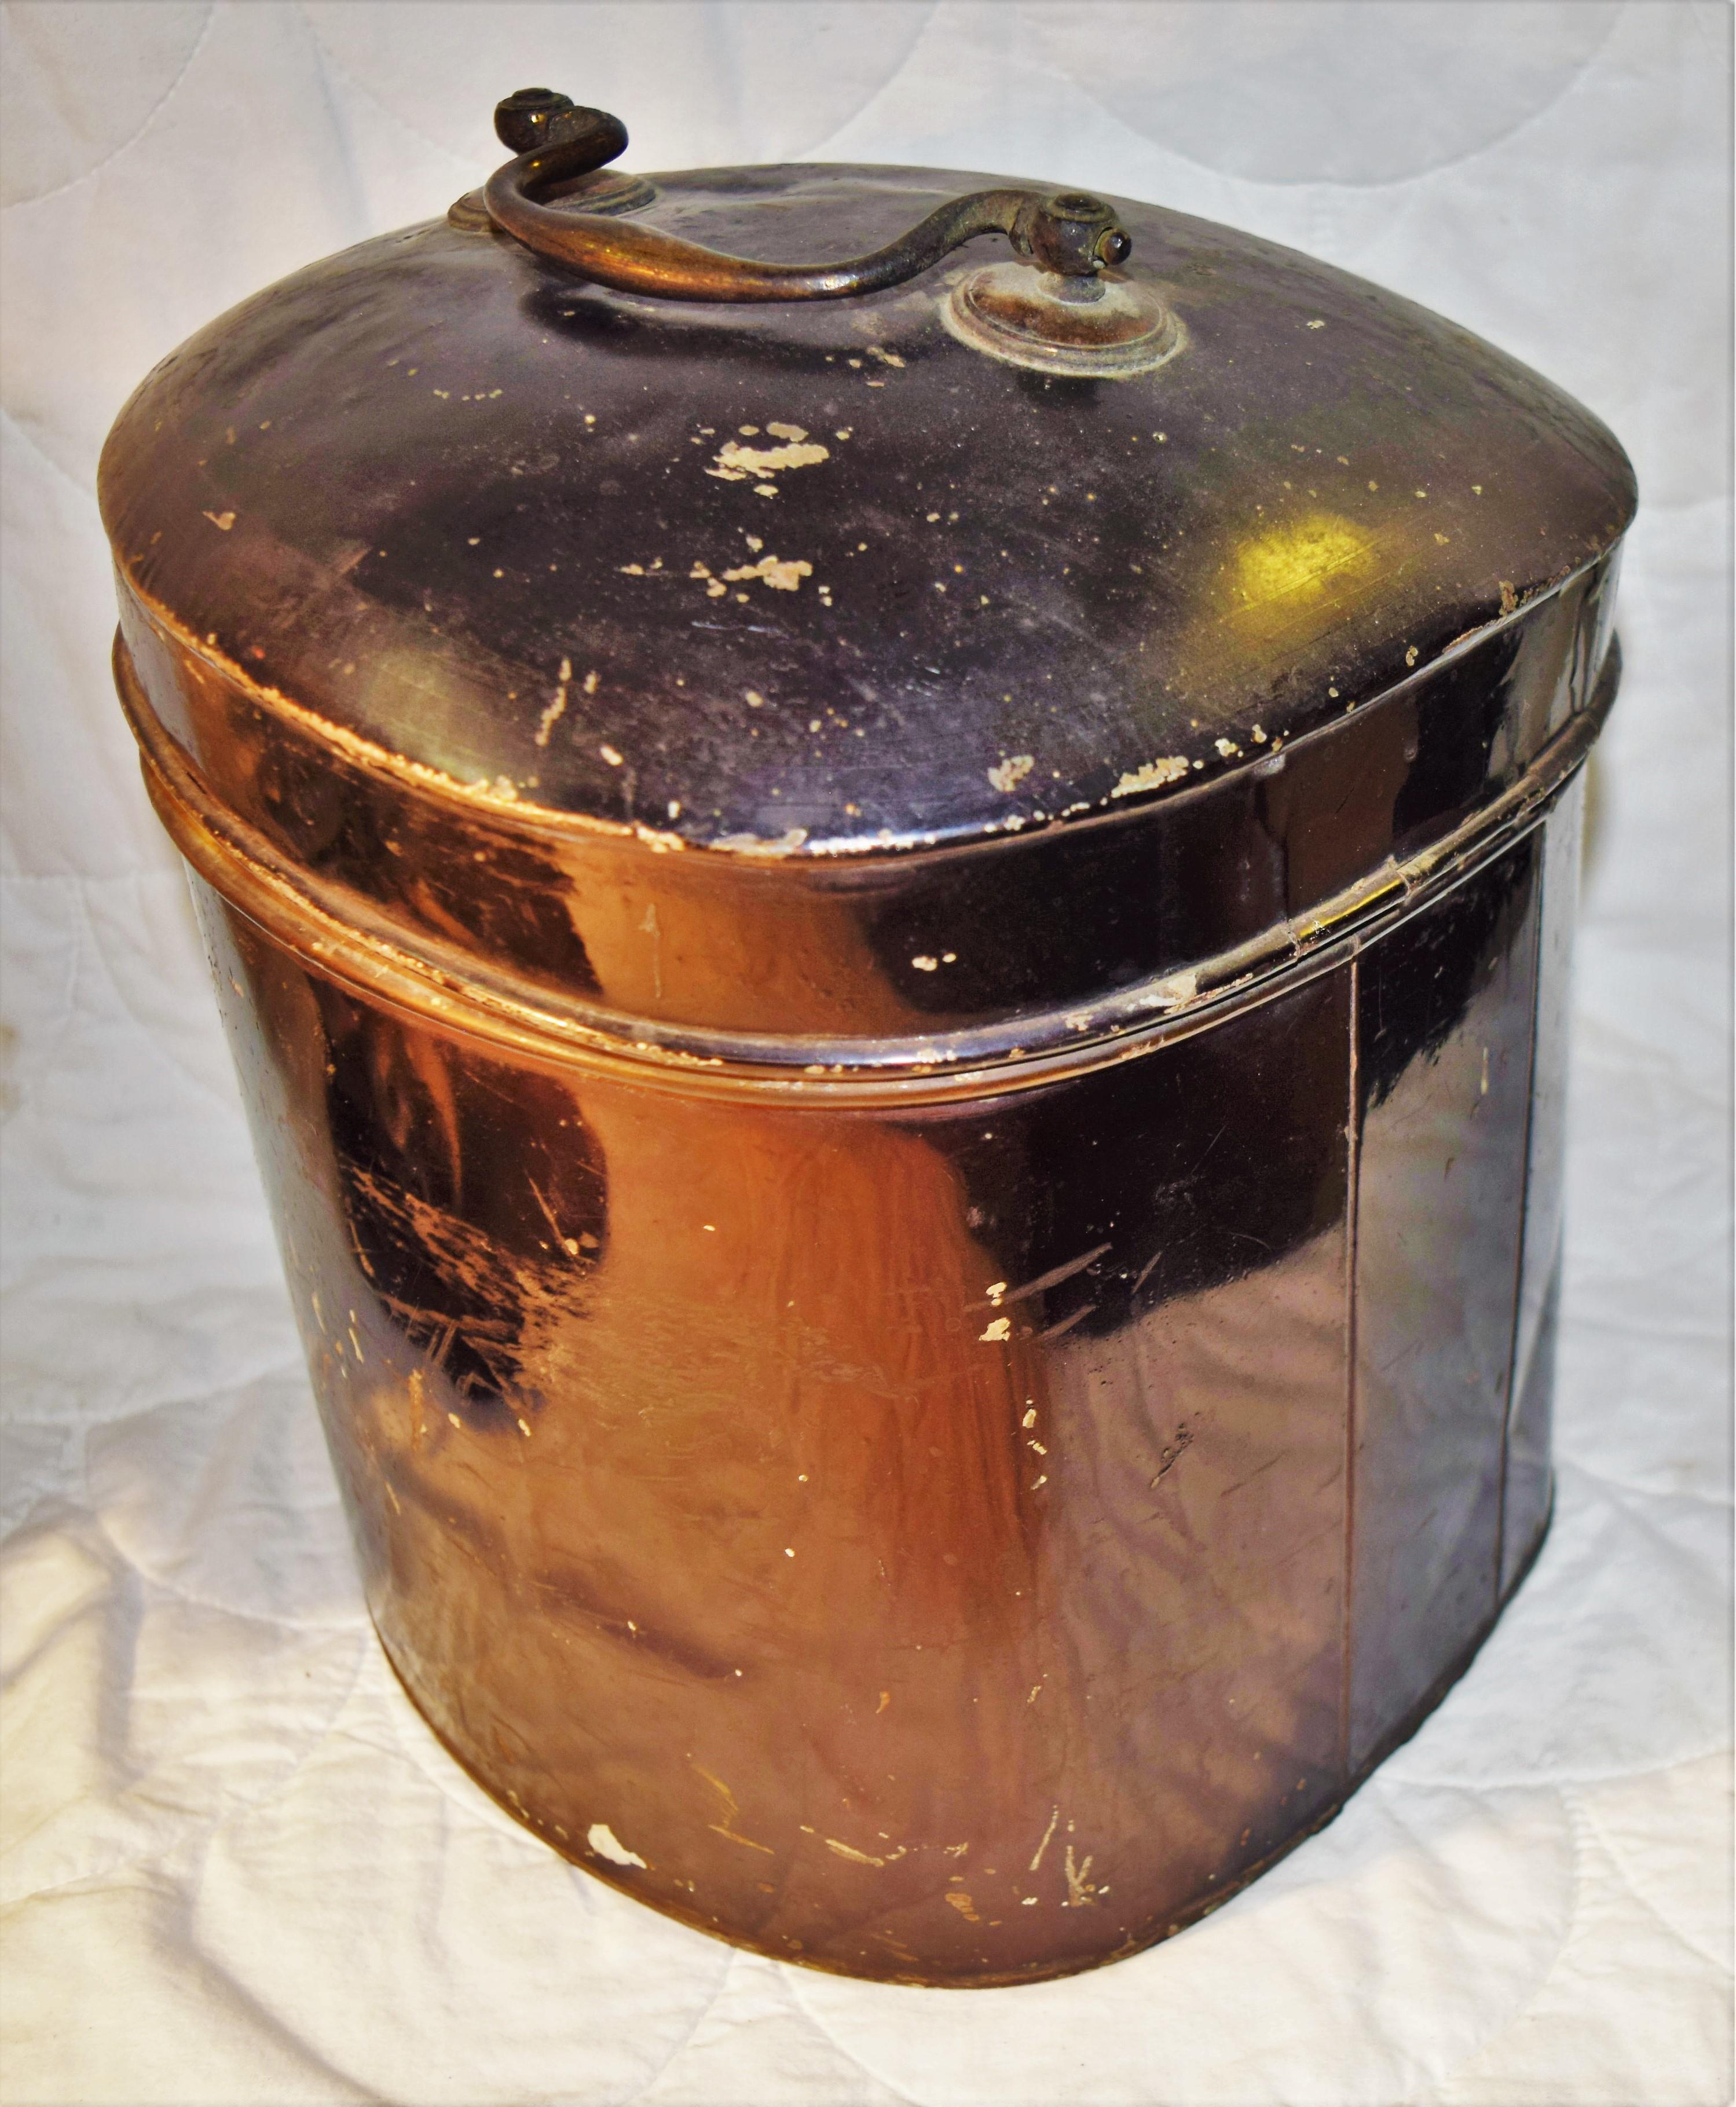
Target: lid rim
1016, 1053
876, 851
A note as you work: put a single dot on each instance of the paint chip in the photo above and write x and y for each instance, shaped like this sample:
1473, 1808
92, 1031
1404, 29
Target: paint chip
850, 1851
1153, 776
606, 1844
774, 571
735, 462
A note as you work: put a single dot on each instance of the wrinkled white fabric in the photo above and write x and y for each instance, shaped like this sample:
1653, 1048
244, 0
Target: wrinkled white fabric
236, 1867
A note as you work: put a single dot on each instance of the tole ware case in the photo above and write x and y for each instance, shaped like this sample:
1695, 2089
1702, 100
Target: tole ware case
895, 918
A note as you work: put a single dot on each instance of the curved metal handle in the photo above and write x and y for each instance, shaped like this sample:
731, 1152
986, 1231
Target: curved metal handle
1072, 234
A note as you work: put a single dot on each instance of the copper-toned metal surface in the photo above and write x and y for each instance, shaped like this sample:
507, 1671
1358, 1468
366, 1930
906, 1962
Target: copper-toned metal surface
904, 1019
955, 1545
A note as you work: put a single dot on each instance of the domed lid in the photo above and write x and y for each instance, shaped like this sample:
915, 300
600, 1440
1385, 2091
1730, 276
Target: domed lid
554, 499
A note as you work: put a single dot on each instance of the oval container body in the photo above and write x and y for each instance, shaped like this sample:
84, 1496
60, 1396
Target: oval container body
906, 1021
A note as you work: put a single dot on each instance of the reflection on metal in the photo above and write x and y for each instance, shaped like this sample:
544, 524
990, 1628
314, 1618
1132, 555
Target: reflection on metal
1302, 558
614, 193
629, 1392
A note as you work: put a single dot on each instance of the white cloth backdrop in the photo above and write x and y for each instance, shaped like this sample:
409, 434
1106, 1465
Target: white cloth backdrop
237, 1868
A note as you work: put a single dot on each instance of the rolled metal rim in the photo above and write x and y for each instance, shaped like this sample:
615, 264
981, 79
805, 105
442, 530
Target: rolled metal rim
348, 939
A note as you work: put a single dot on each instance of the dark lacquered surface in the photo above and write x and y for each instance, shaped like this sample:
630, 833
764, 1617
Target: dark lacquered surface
922, 1539
408, 485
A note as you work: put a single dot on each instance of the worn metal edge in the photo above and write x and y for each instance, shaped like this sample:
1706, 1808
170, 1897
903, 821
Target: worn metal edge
345, 936
1114, 808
